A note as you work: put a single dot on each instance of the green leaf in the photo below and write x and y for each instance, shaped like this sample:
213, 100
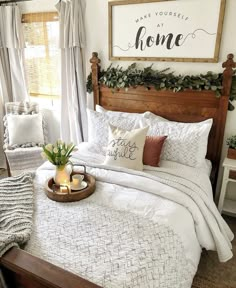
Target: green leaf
49, 155
218, 94
231, 106
162, 85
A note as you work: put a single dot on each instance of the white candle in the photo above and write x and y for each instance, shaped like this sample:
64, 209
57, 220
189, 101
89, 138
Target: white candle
64, 189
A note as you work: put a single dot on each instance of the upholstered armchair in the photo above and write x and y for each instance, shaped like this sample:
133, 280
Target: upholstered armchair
24, 134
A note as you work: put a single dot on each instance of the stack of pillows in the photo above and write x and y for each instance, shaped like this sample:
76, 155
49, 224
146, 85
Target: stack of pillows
132, 139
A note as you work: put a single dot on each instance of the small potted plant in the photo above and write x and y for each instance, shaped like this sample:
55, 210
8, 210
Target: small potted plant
231, 142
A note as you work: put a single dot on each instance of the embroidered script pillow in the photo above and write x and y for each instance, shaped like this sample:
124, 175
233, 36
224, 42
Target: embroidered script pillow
125, 148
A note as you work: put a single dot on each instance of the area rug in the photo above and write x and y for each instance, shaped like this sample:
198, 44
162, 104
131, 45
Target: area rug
213, 274
3, 173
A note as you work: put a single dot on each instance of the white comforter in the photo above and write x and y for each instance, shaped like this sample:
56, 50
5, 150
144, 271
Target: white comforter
176, 199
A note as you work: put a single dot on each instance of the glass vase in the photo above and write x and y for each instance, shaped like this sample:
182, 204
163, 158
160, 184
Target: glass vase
62, 175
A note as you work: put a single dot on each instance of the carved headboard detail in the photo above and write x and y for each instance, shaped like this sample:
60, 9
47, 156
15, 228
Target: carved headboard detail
183, 106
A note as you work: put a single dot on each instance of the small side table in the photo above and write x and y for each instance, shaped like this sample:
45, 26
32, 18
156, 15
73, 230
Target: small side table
226, 205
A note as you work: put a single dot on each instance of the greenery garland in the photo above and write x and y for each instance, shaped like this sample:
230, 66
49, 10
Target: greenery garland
117, 77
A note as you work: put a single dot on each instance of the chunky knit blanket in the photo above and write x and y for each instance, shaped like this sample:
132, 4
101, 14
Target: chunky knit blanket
16, 210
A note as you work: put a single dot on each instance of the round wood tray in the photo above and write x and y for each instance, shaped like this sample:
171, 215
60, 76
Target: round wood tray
52, 190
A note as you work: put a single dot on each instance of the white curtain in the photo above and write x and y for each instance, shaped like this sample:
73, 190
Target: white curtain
12, 78
72, 43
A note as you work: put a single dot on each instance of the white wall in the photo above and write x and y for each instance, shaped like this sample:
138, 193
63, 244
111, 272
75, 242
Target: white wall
97, 41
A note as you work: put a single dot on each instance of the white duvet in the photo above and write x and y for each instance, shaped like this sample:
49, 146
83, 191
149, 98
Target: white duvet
173, 198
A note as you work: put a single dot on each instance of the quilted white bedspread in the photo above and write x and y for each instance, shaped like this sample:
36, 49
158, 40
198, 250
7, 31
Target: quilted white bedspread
139, 229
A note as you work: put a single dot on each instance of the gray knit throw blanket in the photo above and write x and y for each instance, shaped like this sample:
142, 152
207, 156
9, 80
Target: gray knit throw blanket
16, 210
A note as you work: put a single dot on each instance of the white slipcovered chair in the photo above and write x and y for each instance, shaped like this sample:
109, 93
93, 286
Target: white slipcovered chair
24, 134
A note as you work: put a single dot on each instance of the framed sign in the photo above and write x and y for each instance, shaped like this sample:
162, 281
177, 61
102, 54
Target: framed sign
165, 30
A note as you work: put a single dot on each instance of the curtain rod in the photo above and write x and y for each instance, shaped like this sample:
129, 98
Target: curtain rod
12, 1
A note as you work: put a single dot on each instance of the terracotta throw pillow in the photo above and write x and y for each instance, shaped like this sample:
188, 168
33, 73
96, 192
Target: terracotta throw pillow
152, 150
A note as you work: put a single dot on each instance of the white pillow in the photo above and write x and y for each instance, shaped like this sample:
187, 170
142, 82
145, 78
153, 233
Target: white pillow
151, 116
25, 129
98, 124
110, 113
125, 148
186, 142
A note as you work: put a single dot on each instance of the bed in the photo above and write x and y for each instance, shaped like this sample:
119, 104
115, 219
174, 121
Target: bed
148, 207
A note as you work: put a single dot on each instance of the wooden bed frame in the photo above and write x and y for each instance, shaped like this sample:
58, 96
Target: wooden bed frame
184, 106
24, 270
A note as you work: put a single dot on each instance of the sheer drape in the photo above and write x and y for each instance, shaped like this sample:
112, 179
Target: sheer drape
12, 78
72, 43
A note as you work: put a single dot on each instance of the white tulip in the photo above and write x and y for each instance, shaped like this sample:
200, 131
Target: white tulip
49, 147
44, 156
55, 150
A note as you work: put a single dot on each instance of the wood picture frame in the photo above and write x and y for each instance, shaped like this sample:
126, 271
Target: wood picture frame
165, 30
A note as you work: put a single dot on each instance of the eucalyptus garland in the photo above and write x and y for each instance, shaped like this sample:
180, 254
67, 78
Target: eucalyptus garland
117, 77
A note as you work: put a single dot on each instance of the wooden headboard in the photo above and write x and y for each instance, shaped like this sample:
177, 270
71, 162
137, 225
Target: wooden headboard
183, 106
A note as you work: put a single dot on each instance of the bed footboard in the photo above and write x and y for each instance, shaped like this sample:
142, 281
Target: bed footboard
23, 270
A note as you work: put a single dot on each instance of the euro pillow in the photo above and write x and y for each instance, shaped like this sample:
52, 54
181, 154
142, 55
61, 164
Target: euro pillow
151, 116
110, 113
152, 150
98, 124
186, 142
23, 129
125, 148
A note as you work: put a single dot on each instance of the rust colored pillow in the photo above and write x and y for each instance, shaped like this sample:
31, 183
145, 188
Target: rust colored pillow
152, 150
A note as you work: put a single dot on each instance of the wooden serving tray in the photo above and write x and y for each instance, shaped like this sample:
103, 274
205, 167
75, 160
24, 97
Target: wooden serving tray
73, 195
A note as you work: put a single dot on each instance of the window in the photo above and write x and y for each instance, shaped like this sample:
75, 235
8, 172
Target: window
42, 55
